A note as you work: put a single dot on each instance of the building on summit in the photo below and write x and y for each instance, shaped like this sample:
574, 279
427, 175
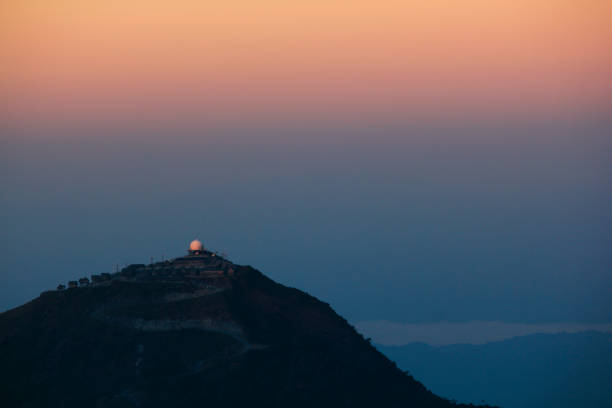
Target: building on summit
197, 256
195, 247
199, 264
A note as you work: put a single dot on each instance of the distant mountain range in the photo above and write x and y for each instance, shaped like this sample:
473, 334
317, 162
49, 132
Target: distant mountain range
195, 331
541, 370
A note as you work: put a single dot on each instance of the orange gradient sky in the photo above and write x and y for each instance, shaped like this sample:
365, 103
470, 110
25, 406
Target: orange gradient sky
184, 60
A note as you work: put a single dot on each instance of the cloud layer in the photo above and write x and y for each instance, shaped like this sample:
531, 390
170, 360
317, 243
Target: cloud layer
444, 333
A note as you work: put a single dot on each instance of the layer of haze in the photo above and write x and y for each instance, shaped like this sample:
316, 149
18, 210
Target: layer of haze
445, 333
503, 222
404, 161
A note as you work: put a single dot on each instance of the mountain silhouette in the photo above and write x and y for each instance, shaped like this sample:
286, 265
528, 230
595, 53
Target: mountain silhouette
194, 331
560, 370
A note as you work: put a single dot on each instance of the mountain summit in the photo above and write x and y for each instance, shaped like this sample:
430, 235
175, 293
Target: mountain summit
194, 331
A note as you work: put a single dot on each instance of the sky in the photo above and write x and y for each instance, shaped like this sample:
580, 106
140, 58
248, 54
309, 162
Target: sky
407, 162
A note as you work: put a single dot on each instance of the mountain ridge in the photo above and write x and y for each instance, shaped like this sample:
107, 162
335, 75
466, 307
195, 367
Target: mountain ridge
561, 370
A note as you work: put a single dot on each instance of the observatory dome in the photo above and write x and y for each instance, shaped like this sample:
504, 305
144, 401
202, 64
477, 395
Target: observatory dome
196, 245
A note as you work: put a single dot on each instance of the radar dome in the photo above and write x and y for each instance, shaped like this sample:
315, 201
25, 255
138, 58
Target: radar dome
196, 245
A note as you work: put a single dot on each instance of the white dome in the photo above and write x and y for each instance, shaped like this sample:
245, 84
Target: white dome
196, 245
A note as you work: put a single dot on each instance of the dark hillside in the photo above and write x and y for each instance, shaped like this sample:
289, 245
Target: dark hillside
164, 336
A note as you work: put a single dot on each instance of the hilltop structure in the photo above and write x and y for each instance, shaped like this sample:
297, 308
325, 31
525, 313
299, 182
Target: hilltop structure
198, 264
195, 247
